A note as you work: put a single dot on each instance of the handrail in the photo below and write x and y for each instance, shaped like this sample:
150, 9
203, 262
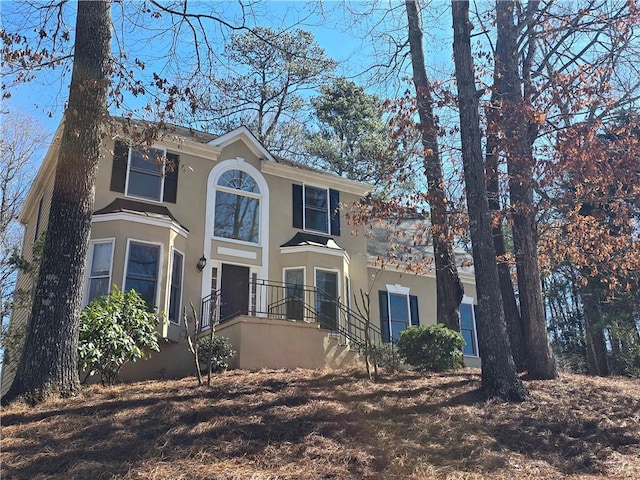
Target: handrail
281, 300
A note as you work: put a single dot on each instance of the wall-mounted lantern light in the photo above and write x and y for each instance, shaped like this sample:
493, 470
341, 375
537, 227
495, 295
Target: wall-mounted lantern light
201, 263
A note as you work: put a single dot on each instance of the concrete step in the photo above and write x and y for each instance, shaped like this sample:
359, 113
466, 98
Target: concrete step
340, 355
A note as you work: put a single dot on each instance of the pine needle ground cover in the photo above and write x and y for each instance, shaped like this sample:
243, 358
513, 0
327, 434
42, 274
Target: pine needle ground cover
302, 424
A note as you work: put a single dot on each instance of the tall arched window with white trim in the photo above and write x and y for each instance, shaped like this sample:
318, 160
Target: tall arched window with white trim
237, 207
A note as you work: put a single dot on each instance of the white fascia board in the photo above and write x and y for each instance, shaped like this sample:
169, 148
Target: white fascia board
179, 143
316, 178
244, 134
45, 173
132, 217
195, 149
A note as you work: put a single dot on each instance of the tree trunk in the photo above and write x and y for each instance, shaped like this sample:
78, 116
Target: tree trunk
499, 376
49, 364
520, 163
510, 306
448, 285
597, 361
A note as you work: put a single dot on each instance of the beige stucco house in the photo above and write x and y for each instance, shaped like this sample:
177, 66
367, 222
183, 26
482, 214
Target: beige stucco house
260, 246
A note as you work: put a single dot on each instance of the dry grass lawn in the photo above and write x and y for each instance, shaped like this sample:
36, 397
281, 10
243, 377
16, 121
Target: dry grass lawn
305, 424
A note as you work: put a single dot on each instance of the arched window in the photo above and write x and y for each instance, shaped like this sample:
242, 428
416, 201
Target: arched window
237, 211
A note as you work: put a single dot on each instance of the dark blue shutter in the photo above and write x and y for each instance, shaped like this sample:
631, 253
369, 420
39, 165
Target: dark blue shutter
171, 178
384, 315
413, 305
119, 168
298, 206
334, 212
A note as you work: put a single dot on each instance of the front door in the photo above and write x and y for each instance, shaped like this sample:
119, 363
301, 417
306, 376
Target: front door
326, 297
234, 291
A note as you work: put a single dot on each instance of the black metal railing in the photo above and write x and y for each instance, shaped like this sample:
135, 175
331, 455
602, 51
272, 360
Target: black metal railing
288, 301
209, 310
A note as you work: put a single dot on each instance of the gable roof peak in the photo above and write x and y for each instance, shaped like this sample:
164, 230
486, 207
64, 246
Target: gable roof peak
244, 134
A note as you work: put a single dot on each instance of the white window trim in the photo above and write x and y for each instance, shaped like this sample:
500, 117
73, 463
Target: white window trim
160, 266
263, 237
234, 252
470, 301
244, 167
301, 267
338, 286
87, 273
139, 218
304, 208
168, 296
304, 283
338, 273
162, 175
398, 289
347, 294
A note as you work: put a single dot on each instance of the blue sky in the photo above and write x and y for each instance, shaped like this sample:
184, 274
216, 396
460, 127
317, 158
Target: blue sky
353, 34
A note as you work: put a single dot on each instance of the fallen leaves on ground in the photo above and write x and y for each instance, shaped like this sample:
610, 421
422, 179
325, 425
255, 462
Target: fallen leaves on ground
305, 424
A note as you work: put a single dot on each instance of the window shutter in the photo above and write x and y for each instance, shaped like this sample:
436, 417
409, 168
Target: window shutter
413, 305
119, 168
171, 178
334, 212
298, 206
384, 315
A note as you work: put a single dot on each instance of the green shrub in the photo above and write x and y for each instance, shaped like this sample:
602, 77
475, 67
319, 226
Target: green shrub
218, 354
434, 348
115, 329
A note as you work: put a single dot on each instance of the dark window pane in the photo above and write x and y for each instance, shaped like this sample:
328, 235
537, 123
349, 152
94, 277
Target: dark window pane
295, 293
327, 286
97, 288
176, 289
315, 197
467, 329
142, 271
397, 328
145, 288
144, 185
237, 217
150, 161
143, 260
316, 208
399, 308
238, 180
101, 260
469, 348
466, 319
316, 220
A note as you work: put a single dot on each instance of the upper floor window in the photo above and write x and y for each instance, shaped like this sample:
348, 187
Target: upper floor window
150, 174
237, 207
316, 209
146, 171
